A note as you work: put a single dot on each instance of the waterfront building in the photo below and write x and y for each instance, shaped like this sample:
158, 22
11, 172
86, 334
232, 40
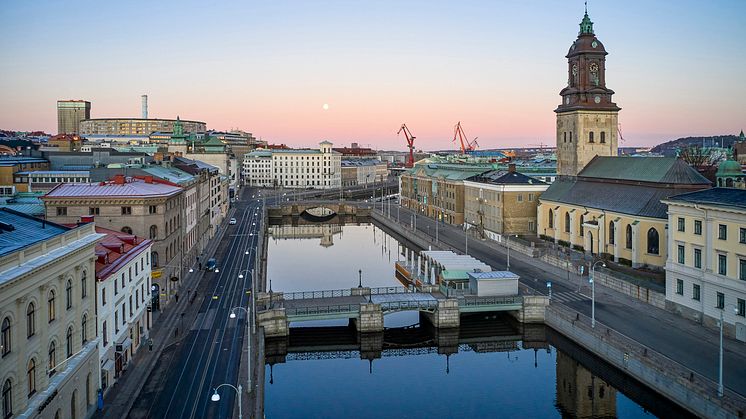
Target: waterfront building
502, 202
706, 270
363, 171
604, 204
144, 207
294, 168
437, 190
613, 208
123, 273
135, 126
69, 115
580, 394
49, 364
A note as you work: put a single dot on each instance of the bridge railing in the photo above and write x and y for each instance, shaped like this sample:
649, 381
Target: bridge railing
409, 305
310, 295
467, 301
322, 310
389, 290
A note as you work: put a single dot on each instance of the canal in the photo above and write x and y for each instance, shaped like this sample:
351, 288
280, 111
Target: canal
489, 368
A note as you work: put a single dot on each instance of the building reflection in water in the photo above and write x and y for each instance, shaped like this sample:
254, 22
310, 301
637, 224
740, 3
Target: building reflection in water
580, 394
325, 232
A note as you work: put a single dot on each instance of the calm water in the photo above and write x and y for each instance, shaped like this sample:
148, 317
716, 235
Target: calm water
475, 381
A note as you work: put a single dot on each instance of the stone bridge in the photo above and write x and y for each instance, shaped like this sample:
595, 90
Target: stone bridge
323, 210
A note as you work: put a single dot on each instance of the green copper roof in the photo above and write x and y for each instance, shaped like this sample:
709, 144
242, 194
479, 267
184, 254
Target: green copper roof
586, 26
742, 137
729, 168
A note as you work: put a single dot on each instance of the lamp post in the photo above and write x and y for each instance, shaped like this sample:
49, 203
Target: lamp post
216, 397
593, 291
360, 278
720, 358
549, 288
507, 239
248, 343
466, 238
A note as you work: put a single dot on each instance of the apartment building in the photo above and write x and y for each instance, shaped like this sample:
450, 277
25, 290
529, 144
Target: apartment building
294, 168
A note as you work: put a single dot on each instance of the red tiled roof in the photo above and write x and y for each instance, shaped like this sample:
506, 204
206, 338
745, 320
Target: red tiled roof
119, 186
115, 250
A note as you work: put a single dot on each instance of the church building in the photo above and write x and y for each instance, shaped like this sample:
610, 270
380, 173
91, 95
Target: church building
601, 203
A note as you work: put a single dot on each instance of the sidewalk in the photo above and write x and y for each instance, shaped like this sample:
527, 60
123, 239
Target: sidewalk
122, 394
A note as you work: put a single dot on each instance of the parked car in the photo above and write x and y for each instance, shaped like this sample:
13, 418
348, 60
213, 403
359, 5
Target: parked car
232, 221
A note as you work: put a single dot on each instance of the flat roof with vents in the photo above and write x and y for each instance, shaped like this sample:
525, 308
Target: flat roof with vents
19, 230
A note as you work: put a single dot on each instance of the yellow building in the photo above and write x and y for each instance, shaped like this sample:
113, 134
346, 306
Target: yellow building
502, 202
613, 207
706, 273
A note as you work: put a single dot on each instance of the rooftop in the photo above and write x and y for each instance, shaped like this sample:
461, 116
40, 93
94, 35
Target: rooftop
14, 160
503, 177
720, 197
669, 170
115, 249
119, 187
18, 230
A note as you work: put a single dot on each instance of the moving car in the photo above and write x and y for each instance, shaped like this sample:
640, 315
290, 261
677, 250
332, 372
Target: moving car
232, 221
212, 263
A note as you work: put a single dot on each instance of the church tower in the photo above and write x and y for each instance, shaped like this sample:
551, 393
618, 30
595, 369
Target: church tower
587, 118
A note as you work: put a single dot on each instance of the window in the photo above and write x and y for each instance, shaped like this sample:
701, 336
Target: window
681, 225
88, 390
152, 209
679, 287
124, 319
31, 377
6, 336
695, 292
69, 342
130, 305
153, 232
681, 254
94, 211
653, 240
52, 360
742, 269
103, 295
126, 210
720, 301
7, 399
582, 220
742, 235
590, 137
567, 222
116, 321
603, 137
530, 197
611, 232
30, 320
741, 307
104, 335
551, 219
722, 265
698, 258
69, 294
723, 232
628, 236
698, 227
61, 211
126, 230
129, 275
50, 305
83, 285
83, 331
519, 197
155, 259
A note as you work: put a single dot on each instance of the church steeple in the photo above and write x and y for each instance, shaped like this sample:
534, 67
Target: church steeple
586, 26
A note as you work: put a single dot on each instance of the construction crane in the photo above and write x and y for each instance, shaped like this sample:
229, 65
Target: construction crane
410, 144
466, 145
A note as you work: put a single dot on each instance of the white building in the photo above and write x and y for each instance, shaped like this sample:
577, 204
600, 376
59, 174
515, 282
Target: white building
706, 267
49, 365
123, 273
294, 168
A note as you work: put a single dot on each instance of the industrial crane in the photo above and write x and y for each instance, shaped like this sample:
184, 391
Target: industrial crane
466, 145
410, 144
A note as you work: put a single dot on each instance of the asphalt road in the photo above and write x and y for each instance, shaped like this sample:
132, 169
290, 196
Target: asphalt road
680, 339
183, 380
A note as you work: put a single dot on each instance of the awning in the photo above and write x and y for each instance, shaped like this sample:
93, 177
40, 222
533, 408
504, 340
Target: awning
124, 345
108, 366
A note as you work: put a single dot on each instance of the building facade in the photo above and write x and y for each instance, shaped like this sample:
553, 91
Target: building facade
143, 207
69, 115
706, 270
294, 168
587, 123
502, 202
123, 272
363, 171
49, 364
135, 126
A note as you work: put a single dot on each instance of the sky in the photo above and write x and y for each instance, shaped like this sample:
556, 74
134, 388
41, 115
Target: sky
269, 67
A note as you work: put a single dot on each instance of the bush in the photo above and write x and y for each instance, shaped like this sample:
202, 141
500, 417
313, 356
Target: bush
578, 247
626, 262
547, 238
606, 256
563, 243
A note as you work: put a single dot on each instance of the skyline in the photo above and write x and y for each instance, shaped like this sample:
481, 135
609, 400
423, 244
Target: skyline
271, 68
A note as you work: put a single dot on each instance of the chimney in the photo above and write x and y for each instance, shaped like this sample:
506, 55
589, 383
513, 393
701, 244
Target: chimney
84, 219
119, 179
144, 106
511, 168
148, 179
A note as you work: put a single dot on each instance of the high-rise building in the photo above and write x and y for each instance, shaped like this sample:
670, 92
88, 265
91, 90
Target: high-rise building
587, 118
69, 115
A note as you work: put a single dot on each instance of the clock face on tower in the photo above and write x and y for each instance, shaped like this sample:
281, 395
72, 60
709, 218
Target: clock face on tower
594, 68
597, 99
574, 69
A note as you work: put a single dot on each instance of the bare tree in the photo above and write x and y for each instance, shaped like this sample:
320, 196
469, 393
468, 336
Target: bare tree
699, 158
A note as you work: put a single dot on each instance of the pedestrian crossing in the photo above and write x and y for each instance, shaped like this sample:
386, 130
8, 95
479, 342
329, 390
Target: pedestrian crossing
568, 297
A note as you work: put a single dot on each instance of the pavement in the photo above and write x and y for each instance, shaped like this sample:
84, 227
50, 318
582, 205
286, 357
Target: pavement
680, 339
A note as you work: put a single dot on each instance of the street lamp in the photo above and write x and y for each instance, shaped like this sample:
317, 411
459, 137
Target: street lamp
507, 239
216, 397
720, 365
549, 288
593, 291
248, 343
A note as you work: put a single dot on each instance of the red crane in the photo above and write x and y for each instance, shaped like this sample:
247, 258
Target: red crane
410, 144
466, 145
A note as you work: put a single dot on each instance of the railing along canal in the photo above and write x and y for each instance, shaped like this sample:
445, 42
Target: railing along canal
322, 310
474, 301
347, 292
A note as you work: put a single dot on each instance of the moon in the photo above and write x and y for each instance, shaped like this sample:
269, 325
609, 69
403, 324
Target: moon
325, 107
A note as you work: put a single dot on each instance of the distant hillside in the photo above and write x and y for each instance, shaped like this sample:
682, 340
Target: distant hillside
669, 148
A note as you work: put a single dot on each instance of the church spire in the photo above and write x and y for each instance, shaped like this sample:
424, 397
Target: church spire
586, 26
